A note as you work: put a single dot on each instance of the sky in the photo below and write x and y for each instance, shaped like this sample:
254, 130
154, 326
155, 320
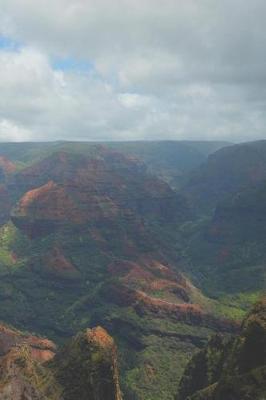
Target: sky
132, 70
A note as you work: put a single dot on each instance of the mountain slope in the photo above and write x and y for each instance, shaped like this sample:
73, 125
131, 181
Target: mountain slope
22, 359
89, 247
86, 368
226, 172
224, 246
230, 369
227, 252
170, 160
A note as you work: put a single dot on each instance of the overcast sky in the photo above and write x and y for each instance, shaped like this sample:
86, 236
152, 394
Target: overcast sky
132, 69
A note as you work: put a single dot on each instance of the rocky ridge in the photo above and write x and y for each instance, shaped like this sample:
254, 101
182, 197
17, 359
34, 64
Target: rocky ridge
31, 369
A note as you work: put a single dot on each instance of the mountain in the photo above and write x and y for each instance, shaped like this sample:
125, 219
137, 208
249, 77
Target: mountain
171, 160
83, 189
87, 367
226, 250
7, 168
32, 368
226, 172
85, 243
241, 217
40, 349
230, 368
91, 235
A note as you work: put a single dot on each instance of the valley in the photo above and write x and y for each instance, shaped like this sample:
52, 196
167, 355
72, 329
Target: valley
161, 244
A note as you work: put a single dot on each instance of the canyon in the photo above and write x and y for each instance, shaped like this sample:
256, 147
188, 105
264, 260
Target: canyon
160, 253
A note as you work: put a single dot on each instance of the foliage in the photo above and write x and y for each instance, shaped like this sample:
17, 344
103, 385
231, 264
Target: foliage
230, 369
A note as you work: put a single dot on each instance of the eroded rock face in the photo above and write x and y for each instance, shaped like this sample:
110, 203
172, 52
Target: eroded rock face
87, 367
40, 349
69, 189
22, 374
150, 274
22, 377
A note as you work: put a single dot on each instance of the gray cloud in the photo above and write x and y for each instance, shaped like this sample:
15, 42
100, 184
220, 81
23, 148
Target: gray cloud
192, 69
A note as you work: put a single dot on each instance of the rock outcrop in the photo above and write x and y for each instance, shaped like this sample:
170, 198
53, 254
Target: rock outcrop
22, 371
230, 368
85, 369
40, 349
23, 378
74, 189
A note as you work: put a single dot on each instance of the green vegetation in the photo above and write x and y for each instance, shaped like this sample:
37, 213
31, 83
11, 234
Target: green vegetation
22, 376
153, 379
14, 249
234, 368
87, 367
61, 280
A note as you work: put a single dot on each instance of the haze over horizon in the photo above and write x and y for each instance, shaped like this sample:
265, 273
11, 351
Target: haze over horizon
132, 70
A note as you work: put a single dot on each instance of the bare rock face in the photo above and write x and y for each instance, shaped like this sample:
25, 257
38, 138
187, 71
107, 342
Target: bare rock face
22, 373
87, 367
41, 349
78, 190
24, 378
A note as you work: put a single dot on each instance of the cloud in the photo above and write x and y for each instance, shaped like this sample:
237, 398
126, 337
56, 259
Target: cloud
125, 69
11, 132
43, 103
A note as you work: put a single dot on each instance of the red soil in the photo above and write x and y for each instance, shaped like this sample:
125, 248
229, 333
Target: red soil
6, 165
42, 349
100, 337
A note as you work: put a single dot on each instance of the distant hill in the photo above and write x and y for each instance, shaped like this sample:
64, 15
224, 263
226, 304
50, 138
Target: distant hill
168, 159
225, 172
226, 251
171, 160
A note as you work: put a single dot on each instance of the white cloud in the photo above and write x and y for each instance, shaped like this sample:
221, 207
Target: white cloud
42, 103
10, 132
133, 100
161, 68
